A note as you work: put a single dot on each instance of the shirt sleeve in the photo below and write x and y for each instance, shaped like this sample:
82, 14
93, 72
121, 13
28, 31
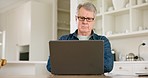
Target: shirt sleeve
108, 57
48, 66
64, 37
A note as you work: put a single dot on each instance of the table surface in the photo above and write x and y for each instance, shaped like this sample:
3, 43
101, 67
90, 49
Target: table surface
70, 76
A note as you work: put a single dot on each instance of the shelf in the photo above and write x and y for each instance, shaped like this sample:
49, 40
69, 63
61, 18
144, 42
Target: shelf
142, 6
62, 28
118, 12
63, 23
128, 35
99, 15
63, 10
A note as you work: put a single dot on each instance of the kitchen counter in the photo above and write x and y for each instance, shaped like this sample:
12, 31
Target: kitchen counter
129, 67
131, 62
24, 68
70, 76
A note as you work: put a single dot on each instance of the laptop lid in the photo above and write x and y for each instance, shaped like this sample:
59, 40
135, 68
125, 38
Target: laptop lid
73, 57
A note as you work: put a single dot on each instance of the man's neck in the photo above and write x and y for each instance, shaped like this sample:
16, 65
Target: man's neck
84, 33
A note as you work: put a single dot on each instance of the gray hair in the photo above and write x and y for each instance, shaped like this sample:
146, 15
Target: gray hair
88, 6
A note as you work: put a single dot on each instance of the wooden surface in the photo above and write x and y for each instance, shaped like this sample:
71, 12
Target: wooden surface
70, 76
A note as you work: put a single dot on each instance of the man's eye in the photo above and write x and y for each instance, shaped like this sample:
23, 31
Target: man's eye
82, 18
88, 18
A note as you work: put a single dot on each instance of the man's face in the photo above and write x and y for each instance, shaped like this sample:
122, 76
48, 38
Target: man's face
85, 20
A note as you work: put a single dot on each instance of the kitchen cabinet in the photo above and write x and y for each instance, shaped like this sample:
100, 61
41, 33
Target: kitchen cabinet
17, 27
129, 67
28, 24
140, 68
23, 24
123, 68
29, 27
16, 24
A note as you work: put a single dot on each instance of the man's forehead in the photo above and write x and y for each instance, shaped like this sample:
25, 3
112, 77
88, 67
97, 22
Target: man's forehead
83, 11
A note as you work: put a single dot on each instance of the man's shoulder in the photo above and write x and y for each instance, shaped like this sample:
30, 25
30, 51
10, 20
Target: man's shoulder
100, 37
65, 37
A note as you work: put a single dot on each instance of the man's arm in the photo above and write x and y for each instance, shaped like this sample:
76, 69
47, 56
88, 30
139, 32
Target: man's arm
48, 66
108, 57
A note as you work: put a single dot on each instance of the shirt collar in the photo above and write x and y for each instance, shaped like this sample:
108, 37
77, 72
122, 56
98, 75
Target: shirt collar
91, 36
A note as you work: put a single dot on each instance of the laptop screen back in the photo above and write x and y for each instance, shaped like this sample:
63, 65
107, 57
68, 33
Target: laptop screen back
76, 57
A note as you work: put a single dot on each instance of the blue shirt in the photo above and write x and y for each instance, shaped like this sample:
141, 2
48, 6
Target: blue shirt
108, 57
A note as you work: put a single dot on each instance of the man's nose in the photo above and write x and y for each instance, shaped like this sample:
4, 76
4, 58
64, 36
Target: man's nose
85, 21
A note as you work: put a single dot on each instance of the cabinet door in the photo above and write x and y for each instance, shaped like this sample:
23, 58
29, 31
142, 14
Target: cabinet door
24, 24
140, 68
122, 69
17, 29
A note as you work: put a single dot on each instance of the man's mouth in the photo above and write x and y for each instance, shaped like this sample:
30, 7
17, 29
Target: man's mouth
84, 25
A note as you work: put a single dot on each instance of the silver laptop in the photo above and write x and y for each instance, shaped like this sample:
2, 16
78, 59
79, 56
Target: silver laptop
75, 57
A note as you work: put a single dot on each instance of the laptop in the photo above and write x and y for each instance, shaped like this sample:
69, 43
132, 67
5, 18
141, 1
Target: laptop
77, 57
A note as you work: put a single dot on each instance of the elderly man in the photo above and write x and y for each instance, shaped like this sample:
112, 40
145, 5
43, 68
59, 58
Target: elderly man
85, 18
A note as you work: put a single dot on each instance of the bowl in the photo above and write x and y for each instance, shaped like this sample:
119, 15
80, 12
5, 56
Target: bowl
118, 4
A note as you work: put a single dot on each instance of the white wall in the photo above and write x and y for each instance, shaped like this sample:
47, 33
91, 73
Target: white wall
73, 11
130, 45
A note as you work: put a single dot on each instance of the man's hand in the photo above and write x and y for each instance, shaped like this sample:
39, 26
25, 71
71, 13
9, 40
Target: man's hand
3, 62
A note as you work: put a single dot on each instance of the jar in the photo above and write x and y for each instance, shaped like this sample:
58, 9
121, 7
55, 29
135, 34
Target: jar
130, 57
